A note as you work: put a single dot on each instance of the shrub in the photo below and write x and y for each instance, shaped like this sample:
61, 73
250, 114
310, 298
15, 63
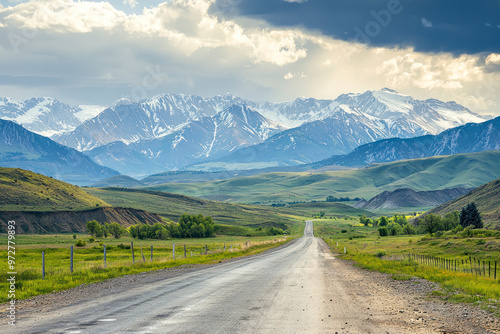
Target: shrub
122, 246
438, 234
380, 253
91, 240
74, 236
383, 231
344, 231
80, 243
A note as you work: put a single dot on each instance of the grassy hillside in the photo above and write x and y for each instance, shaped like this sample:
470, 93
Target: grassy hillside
239, 218
172, 206
461, 170
486, 197
119, 181
22, 190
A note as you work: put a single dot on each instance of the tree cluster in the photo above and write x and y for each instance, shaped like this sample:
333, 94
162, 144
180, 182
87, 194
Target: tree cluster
145, 231
95, 229
189, 226
196, 226
274, 231
468, 217
395, 225
341, 199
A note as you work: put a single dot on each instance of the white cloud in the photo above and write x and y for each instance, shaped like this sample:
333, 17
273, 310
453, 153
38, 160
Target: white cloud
84, 51
291, 75
440, 71
130, 3
425, 23
493, 58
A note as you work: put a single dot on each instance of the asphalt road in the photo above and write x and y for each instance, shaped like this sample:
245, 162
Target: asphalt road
293, 289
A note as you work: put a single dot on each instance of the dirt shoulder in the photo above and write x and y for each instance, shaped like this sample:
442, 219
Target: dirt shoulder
408, 304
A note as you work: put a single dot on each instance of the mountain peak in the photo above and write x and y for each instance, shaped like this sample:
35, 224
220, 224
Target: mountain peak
385, 89
123, 102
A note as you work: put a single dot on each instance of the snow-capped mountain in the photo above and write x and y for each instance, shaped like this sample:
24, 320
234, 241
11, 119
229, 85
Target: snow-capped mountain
467, 138
20, 148
46, 115
129, 121
349, 121
408, 115
387, 111
206, 138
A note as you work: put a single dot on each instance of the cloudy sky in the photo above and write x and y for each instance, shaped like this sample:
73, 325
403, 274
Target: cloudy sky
95, 52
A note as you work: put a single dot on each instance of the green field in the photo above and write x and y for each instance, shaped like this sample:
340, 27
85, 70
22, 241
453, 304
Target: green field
22, 190
461, 170
363, 245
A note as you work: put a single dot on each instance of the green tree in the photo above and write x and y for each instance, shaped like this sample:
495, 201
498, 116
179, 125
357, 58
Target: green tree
470, 216
451, 220
115, 229
365, 220
383, 221
94, 228
383, 232
134, 231
432, 223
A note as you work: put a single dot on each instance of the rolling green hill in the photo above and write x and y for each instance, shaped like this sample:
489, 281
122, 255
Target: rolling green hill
22, 190
486, 197
172, 206
461, 170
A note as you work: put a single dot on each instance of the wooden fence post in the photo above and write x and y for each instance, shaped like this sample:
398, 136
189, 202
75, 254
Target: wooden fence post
43, 264
71, 260
206, 249
132, 247
151, 253
173, 250
185, 255
104, 247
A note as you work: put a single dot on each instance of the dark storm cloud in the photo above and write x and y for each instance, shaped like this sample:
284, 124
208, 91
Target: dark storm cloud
457, 26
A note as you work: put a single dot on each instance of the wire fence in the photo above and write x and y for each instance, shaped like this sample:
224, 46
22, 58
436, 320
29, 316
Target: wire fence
469, 265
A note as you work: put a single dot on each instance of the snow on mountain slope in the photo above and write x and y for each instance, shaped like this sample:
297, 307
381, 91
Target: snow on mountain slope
208, 137
394, 114
88, 111
45, 115
468, 138
129, 121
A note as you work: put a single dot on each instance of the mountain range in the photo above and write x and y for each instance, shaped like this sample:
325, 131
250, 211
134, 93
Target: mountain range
147, 134
346, 123
210, 136
20, 148
225, 132
467, 138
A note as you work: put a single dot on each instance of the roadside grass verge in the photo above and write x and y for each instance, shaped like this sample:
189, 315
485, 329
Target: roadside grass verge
88, 261
456, 286
368, 250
